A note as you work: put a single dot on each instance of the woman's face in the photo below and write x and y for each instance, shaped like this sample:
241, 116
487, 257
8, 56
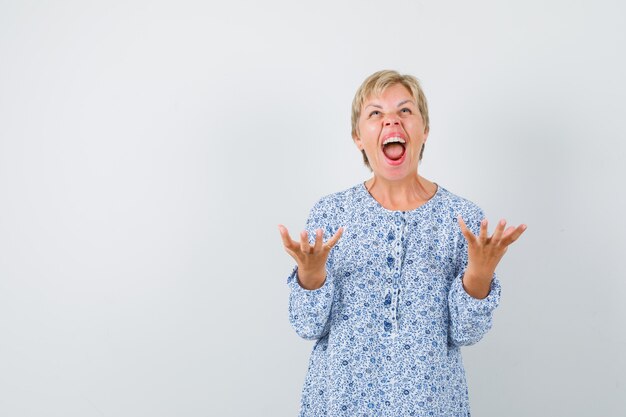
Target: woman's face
394, 114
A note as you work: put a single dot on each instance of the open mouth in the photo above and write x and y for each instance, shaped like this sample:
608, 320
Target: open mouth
394, 150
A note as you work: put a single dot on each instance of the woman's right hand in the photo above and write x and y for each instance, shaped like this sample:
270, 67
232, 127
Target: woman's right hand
311, 260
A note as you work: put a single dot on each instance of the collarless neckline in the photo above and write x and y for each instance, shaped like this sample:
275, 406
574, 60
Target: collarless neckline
375, 202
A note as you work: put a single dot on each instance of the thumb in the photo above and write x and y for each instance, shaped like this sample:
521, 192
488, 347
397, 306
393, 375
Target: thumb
469, 236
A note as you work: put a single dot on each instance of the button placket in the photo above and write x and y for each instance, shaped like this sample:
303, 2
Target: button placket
394, 261
400, 223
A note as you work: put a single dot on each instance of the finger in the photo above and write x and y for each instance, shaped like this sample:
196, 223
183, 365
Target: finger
293, 254
319, 240
304, 242
508, 231
288, 242
514, 234
497, 234
482, 236
469, 236
331, 242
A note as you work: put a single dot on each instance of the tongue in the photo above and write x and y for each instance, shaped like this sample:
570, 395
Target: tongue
393, 151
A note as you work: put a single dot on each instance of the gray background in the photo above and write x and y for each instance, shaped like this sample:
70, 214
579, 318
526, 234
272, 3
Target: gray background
148, 150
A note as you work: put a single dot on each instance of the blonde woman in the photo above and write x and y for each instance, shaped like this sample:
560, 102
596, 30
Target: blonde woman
393, 275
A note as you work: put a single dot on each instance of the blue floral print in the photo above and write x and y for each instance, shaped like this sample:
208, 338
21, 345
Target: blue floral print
389, 320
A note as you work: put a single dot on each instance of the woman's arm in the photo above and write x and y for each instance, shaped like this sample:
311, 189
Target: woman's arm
470, 317
310, 309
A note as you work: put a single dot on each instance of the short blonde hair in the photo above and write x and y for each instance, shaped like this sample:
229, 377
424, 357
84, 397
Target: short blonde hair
375, 85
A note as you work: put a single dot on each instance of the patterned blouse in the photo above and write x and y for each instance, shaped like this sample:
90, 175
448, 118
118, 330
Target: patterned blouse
390, 319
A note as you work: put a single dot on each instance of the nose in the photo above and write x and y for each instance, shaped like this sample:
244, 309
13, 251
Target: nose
391, 120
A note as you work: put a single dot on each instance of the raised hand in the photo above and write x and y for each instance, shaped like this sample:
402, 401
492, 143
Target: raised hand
484, 253
311, 259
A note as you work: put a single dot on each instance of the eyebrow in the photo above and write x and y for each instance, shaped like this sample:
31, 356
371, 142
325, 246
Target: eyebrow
399, 104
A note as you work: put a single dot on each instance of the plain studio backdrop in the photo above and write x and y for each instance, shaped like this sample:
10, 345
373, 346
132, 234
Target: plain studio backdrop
149, 149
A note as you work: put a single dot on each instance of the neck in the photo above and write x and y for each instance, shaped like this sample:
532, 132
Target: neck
404, 194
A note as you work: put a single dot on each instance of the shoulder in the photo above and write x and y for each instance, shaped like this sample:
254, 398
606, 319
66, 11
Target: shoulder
334, 208
457, 204
338, 200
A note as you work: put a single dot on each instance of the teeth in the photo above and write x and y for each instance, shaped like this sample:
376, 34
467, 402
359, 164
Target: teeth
394, 139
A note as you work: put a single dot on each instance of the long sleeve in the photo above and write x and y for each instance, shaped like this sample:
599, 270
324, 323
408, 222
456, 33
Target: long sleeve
310, 310
470, 318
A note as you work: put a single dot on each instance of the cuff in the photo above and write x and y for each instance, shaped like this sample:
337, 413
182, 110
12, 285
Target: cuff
294, 283
477, 305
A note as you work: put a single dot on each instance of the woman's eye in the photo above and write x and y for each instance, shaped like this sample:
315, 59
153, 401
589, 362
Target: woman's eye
406, 110
374, 113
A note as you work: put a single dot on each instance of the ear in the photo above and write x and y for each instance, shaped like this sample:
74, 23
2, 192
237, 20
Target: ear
426, 135
357, 140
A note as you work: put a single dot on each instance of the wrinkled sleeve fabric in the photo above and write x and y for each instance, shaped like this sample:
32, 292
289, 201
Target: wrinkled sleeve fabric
470, 318
310, 310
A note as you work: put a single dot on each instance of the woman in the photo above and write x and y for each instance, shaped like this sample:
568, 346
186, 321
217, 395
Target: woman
413, 279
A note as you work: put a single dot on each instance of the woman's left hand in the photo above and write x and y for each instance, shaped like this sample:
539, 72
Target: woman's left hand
484, 253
